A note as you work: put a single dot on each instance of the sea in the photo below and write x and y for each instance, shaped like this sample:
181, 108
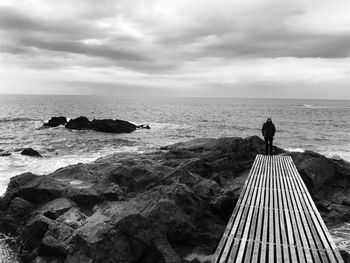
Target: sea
318, 125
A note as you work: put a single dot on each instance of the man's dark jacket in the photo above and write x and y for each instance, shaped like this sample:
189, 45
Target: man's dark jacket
268, 129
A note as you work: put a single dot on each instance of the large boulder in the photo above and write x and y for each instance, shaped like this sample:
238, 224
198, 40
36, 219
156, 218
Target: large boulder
32, 188
30, 152
80, 123
56, 121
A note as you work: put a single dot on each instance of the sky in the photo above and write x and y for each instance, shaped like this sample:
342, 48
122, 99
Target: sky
196, 48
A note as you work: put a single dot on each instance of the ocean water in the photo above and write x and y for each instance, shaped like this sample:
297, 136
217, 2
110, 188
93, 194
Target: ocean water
319, 125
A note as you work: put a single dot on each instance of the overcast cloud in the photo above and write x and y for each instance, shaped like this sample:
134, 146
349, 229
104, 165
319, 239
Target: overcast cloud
251, 48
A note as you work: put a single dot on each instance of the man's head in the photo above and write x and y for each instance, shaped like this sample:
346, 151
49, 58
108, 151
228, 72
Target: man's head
269, 119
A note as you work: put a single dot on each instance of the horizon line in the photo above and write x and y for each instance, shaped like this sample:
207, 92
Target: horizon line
183, 97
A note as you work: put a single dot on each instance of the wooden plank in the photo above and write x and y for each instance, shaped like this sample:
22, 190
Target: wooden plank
246, 224
287, 218
307, 237
330, 240
241, 214
225, 243
315, 230
277, 223
257, 245
254, 219
325, 237
271, 240
284, 237
266, 212
292, 212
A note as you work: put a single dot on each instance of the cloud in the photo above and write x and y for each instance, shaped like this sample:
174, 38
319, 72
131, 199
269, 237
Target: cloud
176, 43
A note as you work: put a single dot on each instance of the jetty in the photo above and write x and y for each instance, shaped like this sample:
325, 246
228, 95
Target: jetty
275, 219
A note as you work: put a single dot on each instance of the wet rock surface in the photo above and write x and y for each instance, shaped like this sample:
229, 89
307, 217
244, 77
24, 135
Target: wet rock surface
152, 207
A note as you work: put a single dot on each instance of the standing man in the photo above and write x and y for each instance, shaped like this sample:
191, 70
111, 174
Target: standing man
268, 131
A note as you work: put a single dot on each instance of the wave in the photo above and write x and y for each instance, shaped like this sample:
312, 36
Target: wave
17, 119
311, 106
338, 155
341, 235
299, 150
332, 155
308, 105
170, 126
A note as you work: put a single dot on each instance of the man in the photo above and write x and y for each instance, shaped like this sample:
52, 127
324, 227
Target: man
268, 131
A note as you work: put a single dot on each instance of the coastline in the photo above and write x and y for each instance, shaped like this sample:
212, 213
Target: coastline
84, 202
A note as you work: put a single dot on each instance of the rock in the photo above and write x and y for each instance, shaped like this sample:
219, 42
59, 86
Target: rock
328, 182
105, 125
138, 230
74, 172
345, 255
56, 121
32, 188
224, 204
136, 176
112, 126
4, 153
80, 123
154, 207
56, 208
30, 152
73, 218
18, 213
57, 241
86, 197
21, 209
34, 232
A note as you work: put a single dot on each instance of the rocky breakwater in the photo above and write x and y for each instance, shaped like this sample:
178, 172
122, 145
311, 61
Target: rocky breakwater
153, 207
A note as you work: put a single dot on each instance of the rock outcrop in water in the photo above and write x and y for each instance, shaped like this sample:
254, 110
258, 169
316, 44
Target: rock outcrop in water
4, 153
56, 121
105, 125
30, 152
153, 207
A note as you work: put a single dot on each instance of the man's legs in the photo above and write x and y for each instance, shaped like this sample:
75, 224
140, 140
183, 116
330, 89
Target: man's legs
266, 145
270, 143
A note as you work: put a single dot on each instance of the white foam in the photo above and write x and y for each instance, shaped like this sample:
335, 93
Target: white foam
309, 106
341, 236
299, 150
170, 126
338, 155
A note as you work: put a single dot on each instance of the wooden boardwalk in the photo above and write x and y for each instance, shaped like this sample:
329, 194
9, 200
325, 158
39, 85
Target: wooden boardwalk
275, 219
